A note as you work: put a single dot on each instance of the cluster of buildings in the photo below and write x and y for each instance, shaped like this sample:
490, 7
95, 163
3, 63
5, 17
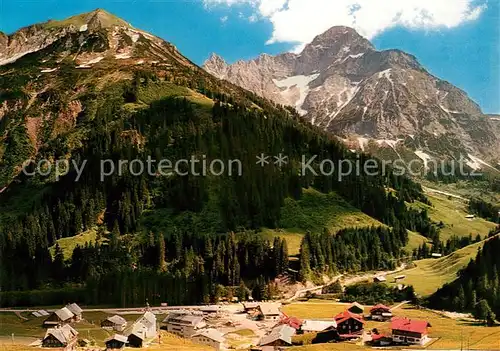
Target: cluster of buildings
137, 335
193, 326
60, 334
350, 324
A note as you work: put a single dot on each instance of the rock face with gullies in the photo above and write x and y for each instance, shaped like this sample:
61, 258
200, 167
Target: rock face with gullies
95, 35
341, 83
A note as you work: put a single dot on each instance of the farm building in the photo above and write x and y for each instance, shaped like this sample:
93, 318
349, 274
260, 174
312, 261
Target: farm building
184, 325
310, 326
64, 337
116, 341
328, 335
278, 337
251, 307
293, 322
210, 337
436, 255
349, 324
379, 279
210, 309
76, 310
115, 322
356, 308
408, 331
60, 317
269, 311
399, 277
380, 313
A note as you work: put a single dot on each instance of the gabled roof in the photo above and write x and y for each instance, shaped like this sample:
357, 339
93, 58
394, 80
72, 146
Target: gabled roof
380, 307
212, 334
269, 309
139, 330
317, 326
117, 337
380, 278
346, 315
409, 325
357, 305
293, 322
282, 332
116, 319
64, 314
250, 305
75, 309
148, 319
64, 334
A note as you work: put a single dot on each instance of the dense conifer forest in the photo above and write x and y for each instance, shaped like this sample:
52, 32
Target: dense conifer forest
169, 238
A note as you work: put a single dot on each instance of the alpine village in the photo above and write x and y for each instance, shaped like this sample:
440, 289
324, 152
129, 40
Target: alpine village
95, 255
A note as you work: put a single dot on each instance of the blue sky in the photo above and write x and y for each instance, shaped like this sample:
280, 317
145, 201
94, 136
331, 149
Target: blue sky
467, 54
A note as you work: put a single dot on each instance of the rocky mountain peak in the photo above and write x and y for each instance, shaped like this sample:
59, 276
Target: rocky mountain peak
342, 84
216, 65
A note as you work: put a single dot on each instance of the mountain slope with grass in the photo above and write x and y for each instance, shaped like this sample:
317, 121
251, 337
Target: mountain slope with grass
97, 93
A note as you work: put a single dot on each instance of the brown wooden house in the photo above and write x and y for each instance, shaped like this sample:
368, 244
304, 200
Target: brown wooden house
60, 317
349, 325
115, 342
380, 313
64, 337
356, 308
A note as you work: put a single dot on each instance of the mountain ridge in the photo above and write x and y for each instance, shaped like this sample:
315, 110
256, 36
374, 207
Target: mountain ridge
342, 84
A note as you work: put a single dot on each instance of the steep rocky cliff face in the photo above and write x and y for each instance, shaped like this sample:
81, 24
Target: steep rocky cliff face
342, 84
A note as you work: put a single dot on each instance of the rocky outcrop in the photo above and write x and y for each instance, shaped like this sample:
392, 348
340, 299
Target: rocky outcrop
342, 84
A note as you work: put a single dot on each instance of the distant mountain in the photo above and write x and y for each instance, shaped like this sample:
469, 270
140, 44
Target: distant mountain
342, 84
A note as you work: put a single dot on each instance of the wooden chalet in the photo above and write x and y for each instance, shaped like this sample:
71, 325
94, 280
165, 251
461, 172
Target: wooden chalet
60, 317
410, 332
356, 308
328, 335
379, 279
64, 337
116, 342
76, 310
115, 322
138, 335
310, 326
380, 313
349, 325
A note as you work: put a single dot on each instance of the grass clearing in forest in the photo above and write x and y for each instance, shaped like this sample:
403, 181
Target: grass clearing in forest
452, 212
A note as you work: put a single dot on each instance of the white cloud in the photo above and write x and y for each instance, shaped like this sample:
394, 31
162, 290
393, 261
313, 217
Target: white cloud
224, 19
301, 20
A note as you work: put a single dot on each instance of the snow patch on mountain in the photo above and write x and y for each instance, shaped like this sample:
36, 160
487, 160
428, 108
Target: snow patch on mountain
301, 82
83, 28
424, 157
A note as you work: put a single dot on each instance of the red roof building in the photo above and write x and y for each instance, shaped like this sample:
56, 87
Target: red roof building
293, 322
349, 324
408, 331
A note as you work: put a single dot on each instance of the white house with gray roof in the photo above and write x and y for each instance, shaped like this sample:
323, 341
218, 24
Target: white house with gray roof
279, 336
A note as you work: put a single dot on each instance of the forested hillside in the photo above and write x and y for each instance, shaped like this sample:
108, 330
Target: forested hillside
167, 237
477, 288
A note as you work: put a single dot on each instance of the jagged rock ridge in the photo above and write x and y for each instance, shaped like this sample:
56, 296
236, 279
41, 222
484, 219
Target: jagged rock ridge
341, 83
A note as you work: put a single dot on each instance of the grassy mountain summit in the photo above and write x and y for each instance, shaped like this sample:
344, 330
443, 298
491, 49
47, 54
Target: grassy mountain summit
98, 18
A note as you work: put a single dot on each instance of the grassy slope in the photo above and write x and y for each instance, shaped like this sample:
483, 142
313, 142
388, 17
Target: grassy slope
452, 213
447, 332
415, 240
430, 274
313, 212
